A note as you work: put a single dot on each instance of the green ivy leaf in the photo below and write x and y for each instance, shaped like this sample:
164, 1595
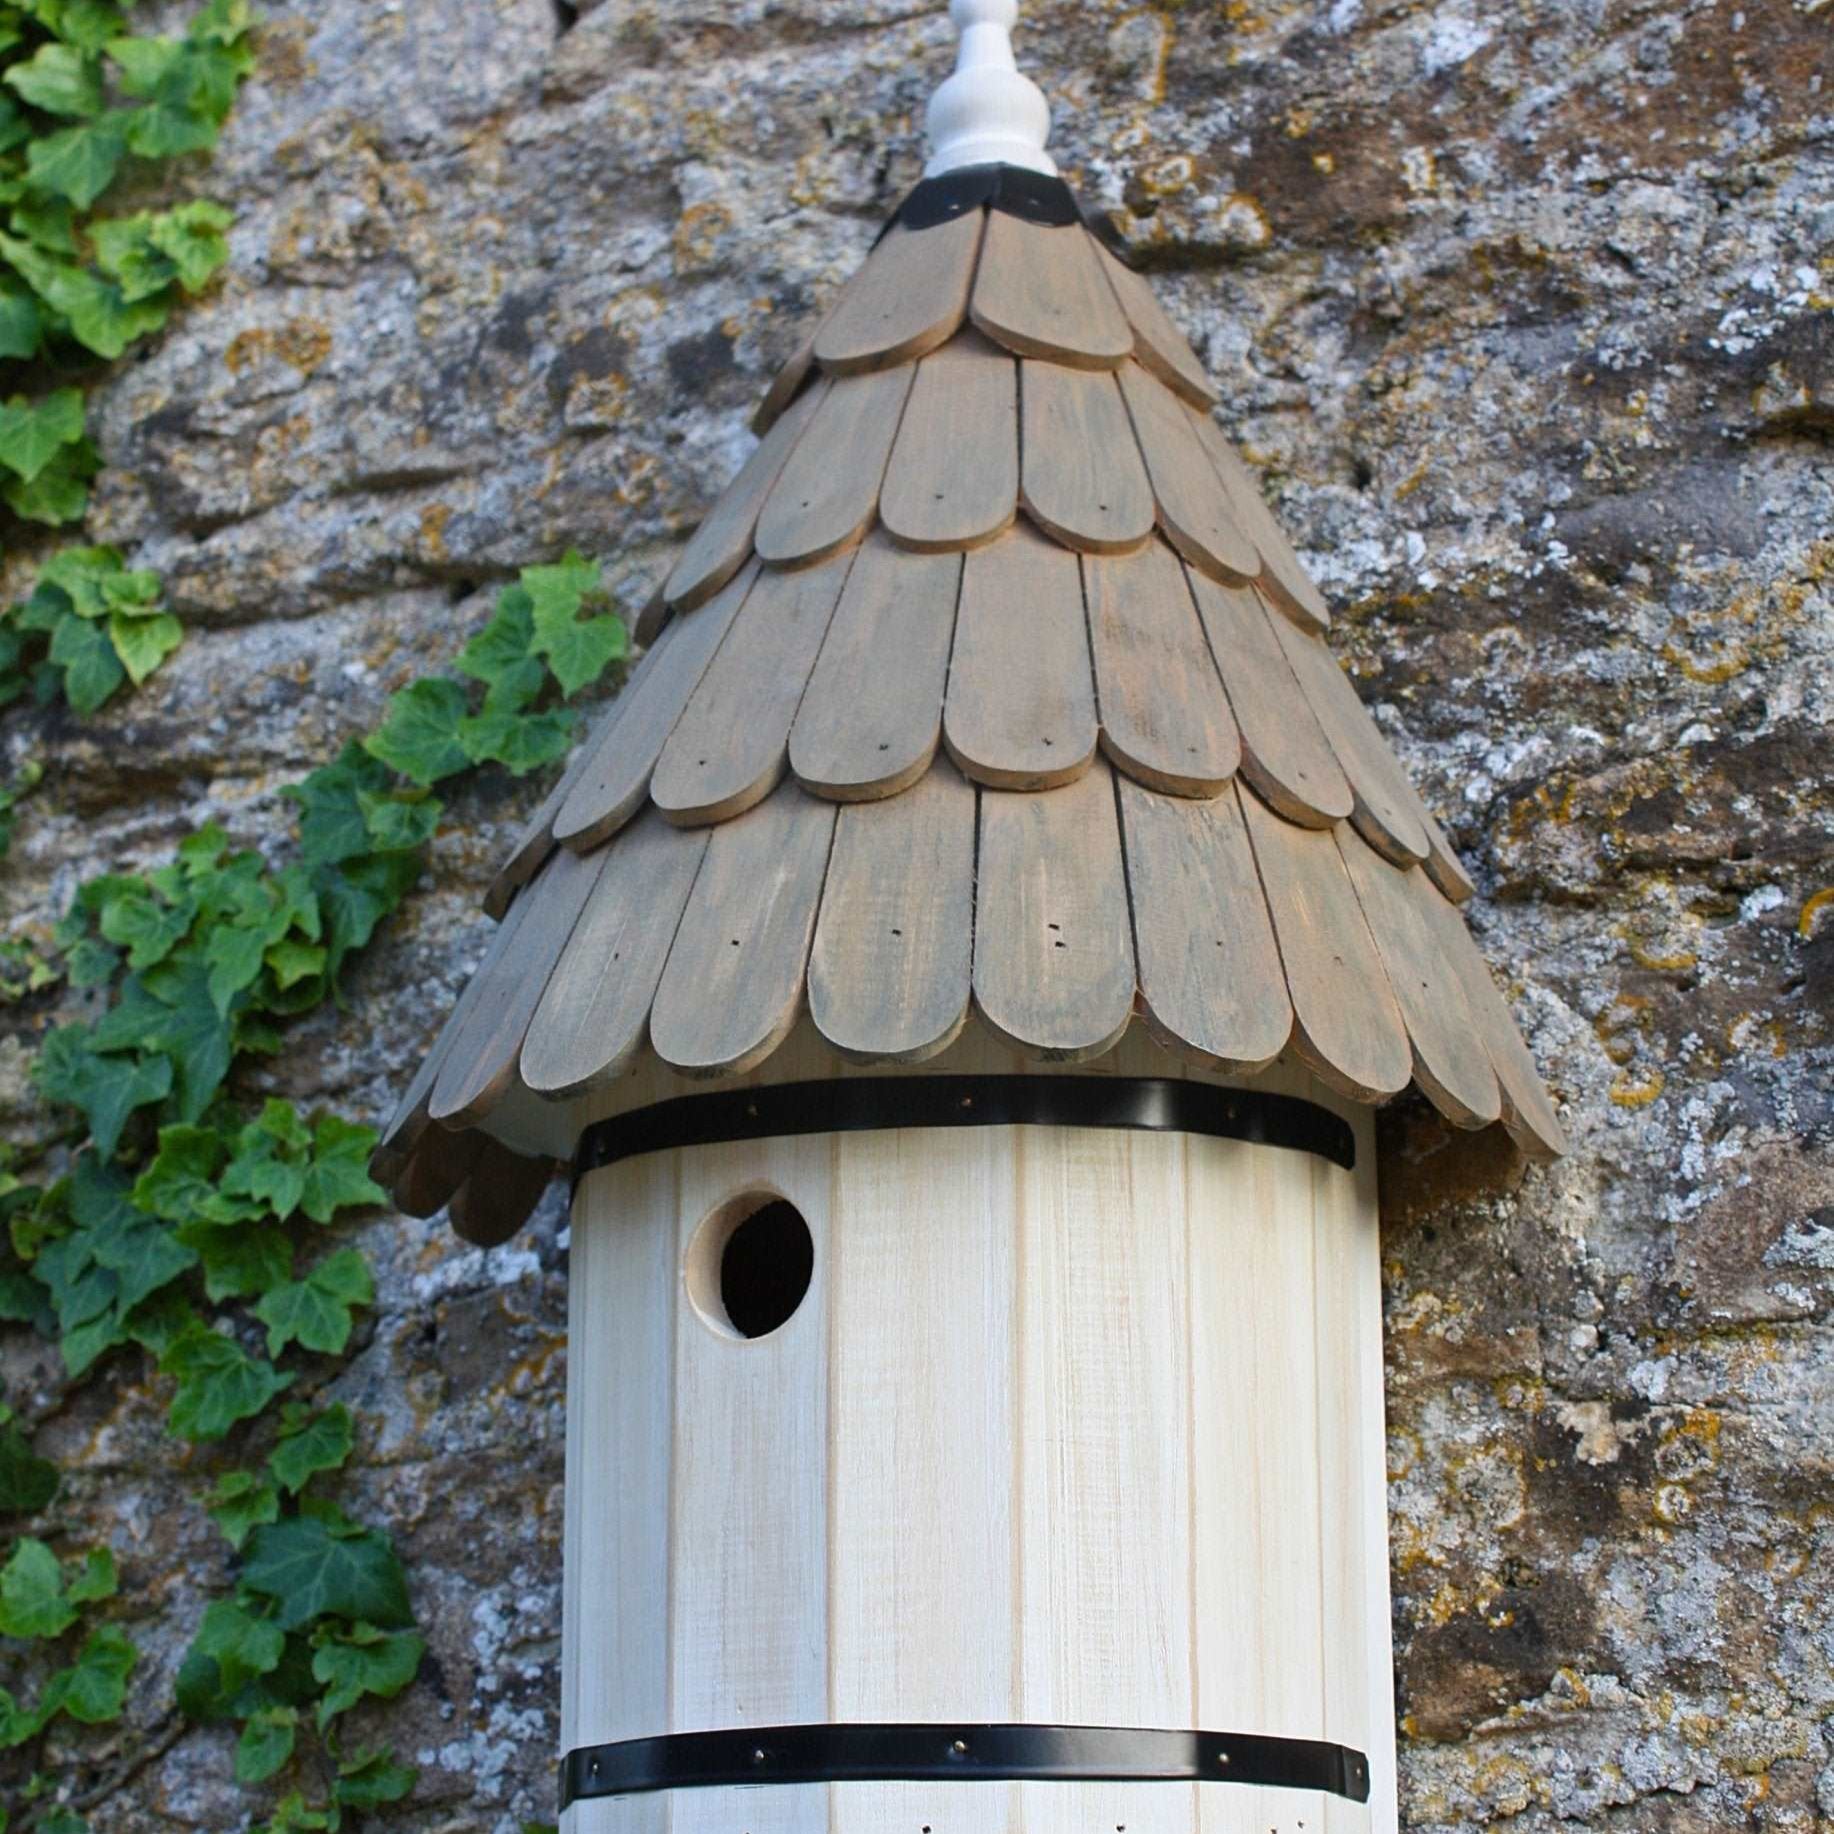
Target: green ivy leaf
60, 79
364, 1661
96, 1579
92, 670
419, 734
232, 1648
241, 1501
374, 1778
521, 742
399, 823
106, 1089
332, 825
79, 163
33, 430
357, 896
32, 1600
193, 238
310, 1443
577, 650
321, 1565
240, 1259
338, 1176
501, 649
27, 1482
266, 1743
183, 1024
219, 1383
143, 643
22, 325
144, 925
182, 1175
94, 1690
316, 1311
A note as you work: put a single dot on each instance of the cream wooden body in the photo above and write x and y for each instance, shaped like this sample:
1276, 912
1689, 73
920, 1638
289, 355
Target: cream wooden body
1073, 1426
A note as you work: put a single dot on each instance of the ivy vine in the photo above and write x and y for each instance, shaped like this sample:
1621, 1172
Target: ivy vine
205, 1237
170, 1220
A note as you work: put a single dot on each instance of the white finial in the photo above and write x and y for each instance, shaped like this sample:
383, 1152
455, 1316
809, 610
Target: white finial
987, 113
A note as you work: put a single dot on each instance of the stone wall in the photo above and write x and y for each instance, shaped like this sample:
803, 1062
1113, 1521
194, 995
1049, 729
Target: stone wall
1524, 310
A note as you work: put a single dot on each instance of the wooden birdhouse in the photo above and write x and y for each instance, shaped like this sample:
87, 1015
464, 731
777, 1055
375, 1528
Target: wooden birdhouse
961, 972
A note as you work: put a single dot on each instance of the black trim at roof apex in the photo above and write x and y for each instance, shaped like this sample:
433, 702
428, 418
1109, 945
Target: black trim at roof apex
1017, 190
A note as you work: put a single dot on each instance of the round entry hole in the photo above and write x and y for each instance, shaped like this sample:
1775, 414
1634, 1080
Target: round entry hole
750, 1264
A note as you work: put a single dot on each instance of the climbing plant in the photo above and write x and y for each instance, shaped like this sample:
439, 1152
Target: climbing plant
171, 1219
85, 101
203, 1235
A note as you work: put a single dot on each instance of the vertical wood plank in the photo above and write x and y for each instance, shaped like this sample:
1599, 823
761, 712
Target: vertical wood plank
1041, 292
748, 1591
1084, 482
1104, 1531
911, 295
953, 479
921, 1534
620, 1328
1260, 1627
1352, 1459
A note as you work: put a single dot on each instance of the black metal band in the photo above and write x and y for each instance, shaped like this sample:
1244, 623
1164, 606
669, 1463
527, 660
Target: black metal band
958, 1754
1152, 1104
1034, 196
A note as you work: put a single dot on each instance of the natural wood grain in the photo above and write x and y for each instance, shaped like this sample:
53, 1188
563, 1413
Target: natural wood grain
1285, 754
1158, 343
1283, 575
748, 1574
499, 1196
730, 748
1450, 1062
1384, 799
889, 972
623, 1295
481, 1062
533, 845
1443, 866
922, 1505
439, 1164
871, 719
1020, 711
787, 382
1346, 1024
614, 781
1084, 481
1265, 1514
1194, 509
722, 544
1165, 718
1527, 1112
953, 479
734, 978
911, 296
827, 494
595, 1012
1053, 951
1041, 293
1211, 982
1353, 1469
1104, 1537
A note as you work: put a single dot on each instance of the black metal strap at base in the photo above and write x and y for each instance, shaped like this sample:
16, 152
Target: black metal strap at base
1154, 1104
958, 1754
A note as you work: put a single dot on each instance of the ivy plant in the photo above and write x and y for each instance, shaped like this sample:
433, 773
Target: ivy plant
202, 1232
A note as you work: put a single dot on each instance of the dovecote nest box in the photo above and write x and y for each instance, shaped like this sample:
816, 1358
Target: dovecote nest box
962, 970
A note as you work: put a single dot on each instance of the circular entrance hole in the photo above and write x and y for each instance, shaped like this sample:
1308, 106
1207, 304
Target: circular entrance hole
750, 1264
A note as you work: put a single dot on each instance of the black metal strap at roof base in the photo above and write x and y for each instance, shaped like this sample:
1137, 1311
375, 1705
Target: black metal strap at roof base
1018, 191
957, 1754
854, 1104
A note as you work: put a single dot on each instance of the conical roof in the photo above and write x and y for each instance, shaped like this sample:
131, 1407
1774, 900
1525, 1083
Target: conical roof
990, 686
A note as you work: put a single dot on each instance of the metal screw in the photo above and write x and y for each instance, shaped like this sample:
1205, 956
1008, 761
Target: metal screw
961, 1747
757, 1757
1222, 1757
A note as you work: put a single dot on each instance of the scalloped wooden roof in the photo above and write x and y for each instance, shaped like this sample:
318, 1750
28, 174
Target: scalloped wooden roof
989, 685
